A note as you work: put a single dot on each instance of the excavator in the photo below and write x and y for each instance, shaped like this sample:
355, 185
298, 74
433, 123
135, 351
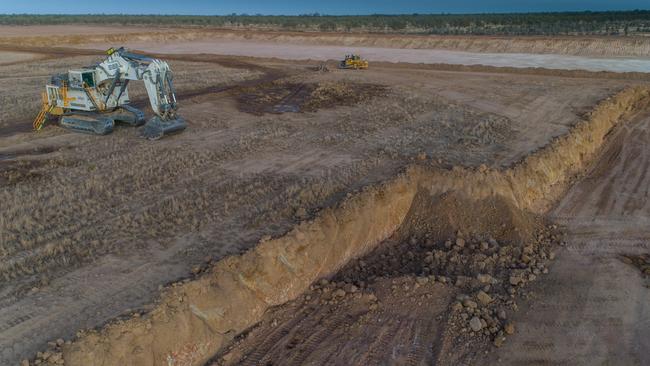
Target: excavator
92, 99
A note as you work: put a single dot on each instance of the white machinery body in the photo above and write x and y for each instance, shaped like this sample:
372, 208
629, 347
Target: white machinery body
101, 92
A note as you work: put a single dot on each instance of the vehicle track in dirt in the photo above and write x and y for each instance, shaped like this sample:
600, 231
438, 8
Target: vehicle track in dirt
346, 333
134, 281
594, 308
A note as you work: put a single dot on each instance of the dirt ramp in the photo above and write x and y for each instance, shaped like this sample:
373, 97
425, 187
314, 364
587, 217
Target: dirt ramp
195, 319
444, 215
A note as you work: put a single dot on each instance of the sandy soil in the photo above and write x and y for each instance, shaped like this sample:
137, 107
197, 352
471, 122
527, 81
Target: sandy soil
592, 46
65, 30
593, 308
8, 58
290, 51
350, 332
193, 77
92, 227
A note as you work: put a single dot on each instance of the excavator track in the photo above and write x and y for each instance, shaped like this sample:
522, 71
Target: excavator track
102, 123
88, 123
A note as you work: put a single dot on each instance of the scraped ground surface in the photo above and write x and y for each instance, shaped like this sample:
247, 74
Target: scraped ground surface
594, 306
92, 226
289, 51
65, 30
591, 307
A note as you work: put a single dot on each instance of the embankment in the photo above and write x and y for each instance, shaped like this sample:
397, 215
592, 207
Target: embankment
193, 320
578, 46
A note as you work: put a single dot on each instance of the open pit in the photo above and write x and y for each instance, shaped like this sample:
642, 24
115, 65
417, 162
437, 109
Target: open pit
196, 319
423, 213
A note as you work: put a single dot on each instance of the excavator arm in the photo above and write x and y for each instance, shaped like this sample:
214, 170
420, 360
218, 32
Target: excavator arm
157, 76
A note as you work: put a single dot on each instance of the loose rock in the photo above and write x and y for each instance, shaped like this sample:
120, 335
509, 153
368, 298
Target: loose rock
475, 324
484, 298
499, 340
515, 280
470, 304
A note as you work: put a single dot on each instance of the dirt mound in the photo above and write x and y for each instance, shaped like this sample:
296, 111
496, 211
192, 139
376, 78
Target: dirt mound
195, 320
447, 299
396, 306
282, 97
444, 215
331, 94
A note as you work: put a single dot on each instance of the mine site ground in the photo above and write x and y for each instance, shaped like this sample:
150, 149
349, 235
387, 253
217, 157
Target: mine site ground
93, 227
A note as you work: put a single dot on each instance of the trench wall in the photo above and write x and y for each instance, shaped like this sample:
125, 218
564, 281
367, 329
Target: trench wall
195, 319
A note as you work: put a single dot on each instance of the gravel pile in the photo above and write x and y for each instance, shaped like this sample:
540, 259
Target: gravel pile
487, 275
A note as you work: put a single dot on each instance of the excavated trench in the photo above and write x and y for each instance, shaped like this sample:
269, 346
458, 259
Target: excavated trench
194, 320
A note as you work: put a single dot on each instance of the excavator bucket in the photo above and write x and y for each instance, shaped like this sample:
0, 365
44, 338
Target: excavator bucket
156, 127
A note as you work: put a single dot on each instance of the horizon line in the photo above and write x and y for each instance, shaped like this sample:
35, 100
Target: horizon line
318, 14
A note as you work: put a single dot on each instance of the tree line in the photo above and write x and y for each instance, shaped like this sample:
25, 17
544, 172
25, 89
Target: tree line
566, 23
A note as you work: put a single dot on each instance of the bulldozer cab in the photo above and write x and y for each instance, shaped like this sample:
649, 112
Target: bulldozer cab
353, 61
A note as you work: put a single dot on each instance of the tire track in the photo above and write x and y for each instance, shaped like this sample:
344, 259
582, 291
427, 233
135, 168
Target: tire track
594, 307
322, 334
261, 350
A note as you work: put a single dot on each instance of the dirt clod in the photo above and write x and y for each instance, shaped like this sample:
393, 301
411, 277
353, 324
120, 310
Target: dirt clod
484, 298
282, 97
476, 324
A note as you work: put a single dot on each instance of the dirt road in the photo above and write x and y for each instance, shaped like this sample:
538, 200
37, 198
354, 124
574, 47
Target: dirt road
289, 51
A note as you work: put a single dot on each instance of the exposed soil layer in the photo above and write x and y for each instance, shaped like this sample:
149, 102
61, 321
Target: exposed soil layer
282, 97
90, 239
292, 51
358, 326
593, 306
589, 46
194, 320
396, 305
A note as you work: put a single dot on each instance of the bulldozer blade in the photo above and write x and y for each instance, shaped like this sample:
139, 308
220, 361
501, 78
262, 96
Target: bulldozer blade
156, 128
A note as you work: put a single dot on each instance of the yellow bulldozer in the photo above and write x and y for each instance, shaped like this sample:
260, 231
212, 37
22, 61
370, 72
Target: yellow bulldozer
353, 62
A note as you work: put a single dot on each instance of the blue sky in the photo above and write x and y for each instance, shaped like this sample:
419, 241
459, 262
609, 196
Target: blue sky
291, 7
